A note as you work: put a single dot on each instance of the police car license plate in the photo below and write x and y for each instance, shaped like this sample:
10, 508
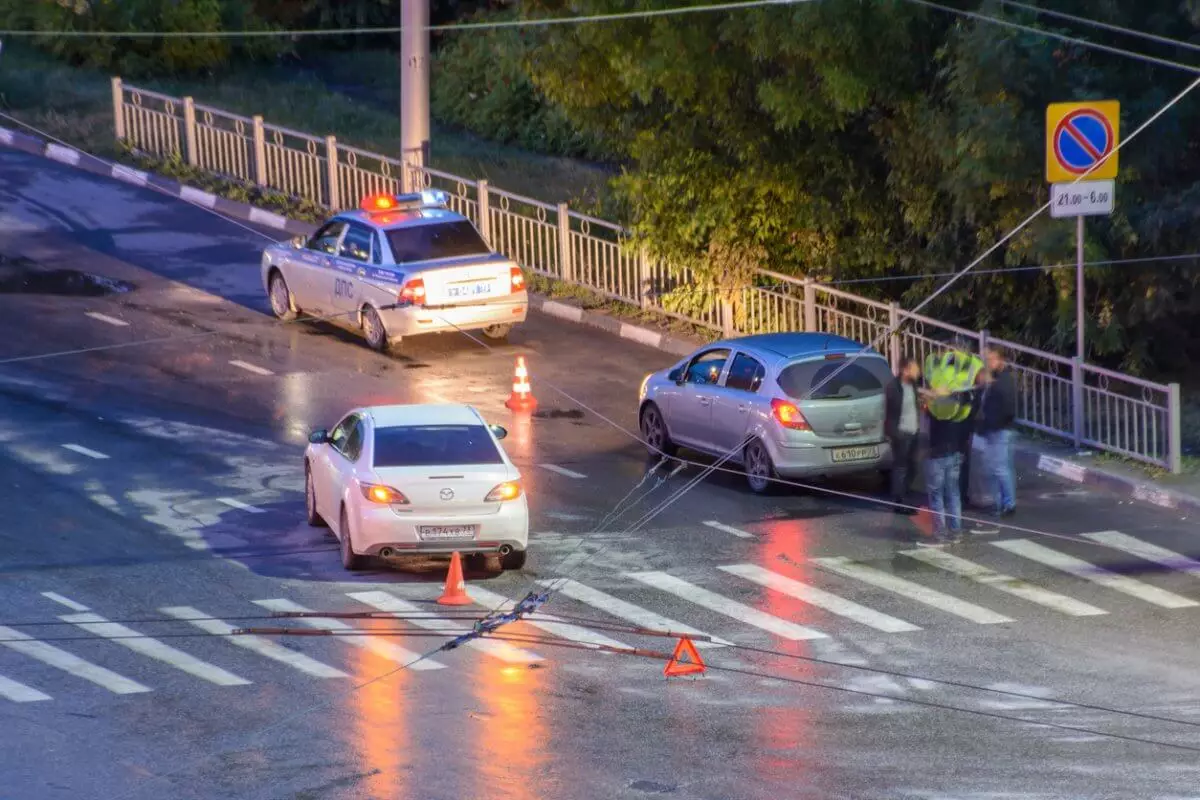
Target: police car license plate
855, 453
437, 533
466, 290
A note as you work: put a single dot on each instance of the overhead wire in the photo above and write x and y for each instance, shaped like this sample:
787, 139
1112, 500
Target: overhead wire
1095, 23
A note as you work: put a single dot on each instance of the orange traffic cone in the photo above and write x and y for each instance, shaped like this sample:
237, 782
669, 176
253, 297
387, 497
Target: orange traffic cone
522, 398
455, 593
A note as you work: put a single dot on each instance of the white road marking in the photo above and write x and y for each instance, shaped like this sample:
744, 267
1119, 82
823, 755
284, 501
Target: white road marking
251, 368
356, 637
152, 648
563, 471
239, 505
1090, 572
69, 662
19, 692
83, 451
120, 323
1145, 550
619, 608
723, 605
1005, 583
913, 591
257, 644
493, 647
66, 601
821, 599
741, 534
546, 622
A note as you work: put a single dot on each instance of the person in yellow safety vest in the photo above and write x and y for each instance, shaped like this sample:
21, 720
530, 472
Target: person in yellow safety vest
959, 370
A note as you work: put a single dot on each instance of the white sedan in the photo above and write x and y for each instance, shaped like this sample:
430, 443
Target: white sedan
404, 480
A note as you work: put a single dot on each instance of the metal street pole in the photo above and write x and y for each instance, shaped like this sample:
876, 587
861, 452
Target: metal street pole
414, 90
1079, 322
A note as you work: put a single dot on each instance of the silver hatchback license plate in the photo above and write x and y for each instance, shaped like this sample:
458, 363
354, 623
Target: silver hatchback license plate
460, 291
439, 533
841, 454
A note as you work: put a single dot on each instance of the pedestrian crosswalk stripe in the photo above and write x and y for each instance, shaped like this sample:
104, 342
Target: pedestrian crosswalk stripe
69, 662
1090, 572
128, 637
356, 637
546, 622
820, 598
723, 605
1145, 550
913, 591
493, 647
66, 601
256, 644
1005, 583
628, 611
19, 692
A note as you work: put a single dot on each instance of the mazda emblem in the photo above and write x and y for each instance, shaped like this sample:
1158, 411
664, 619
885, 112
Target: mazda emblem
447, 494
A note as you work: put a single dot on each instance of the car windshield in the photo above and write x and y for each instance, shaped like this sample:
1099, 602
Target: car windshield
457, 239
434, 446
840, 379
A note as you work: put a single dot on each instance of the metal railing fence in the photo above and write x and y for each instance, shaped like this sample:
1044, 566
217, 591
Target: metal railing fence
1060, 397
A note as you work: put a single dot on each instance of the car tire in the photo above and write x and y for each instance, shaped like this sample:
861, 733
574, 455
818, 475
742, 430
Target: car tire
497, 332
654, 433
283, 304
373, 330
351, 560
514, 560
760, 471
310, 500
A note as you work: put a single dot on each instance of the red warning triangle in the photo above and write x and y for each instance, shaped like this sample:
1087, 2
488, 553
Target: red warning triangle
684, 661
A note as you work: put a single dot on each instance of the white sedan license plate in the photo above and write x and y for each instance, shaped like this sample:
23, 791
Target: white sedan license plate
469, 290
437, 533
855, 453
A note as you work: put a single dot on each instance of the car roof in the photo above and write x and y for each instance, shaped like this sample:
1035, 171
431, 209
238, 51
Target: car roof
423, 414
392, 220
793, 345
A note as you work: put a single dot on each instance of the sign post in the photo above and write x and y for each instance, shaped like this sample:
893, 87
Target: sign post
1081, 137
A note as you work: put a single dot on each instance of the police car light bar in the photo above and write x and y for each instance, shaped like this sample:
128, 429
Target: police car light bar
429, 198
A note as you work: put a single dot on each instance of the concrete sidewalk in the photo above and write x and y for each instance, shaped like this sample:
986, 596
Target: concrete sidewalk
1180, 492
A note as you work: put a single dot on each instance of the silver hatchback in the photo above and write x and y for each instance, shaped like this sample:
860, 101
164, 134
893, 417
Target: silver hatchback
797, 401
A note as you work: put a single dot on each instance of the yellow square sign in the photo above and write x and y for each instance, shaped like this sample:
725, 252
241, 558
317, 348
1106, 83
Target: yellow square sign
1080, 135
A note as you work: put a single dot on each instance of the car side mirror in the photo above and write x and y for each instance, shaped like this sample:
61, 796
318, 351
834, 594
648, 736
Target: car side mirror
298, 242
319, 436
498, 431
677, 376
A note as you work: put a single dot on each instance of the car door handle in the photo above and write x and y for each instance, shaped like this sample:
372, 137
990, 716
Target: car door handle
743, 408
704, 400
852, 426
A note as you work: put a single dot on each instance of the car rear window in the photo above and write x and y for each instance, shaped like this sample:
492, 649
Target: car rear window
457, 239
434, 446
847, 380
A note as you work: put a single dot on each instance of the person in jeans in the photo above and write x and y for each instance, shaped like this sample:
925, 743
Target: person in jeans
943, 464
998, 415
902, 426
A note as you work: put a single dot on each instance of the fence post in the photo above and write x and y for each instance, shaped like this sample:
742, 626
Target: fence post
810, 306
331, 172
564, 243
485, 212
894, 349
189, 131
727, 320
118, 101
1174, 429
645, 277
1077, 401
984, 340
260, 151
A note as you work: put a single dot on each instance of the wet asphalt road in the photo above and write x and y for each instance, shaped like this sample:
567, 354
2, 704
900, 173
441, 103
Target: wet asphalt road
180, 495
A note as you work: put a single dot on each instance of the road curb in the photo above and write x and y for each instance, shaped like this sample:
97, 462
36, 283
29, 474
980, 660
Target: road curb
1026, 455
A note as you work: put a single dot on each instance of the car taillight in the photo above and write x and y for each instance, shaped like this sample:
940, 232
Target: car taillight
517, 278
384, 495
509, 490
414, 291
789, 416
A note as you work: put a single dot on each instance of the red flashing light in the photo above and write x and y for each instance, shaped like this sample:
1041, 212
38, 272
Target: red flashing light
414, 292
379, 202
788, 415
518, 279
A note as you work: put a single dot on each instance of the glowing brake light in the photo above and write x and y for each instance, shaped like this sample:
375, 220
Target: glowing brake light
414, 291
788, 415
517, 278
379, 202
384, 495
510, 490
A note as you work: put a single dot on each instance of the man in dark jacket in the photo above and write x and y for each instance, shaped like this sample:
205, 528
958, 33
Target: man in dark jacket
902, 426
998, 414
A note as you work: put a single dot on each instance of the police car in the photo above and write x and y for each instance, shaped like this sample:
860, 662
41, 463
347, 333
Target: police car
399, 265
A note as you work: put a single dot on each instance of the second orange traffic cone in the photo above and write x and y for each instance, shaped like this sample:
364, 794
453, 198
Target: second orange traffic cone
455, 593
522, 398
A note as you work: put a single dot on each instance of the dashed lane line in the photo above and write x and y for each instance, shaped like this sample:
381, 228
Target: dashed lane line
720, 526
84, 451
239, 505
570, 473
251, 368
96, 315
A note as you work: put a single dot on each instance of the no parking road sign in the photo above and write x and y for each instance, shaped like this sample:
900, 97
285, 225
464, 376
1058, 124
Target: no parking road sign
1080, 135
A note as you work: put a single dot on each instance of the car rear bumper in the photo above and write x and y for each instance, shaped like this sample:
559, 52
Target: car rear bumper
817, 459
379, 529
413, 320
